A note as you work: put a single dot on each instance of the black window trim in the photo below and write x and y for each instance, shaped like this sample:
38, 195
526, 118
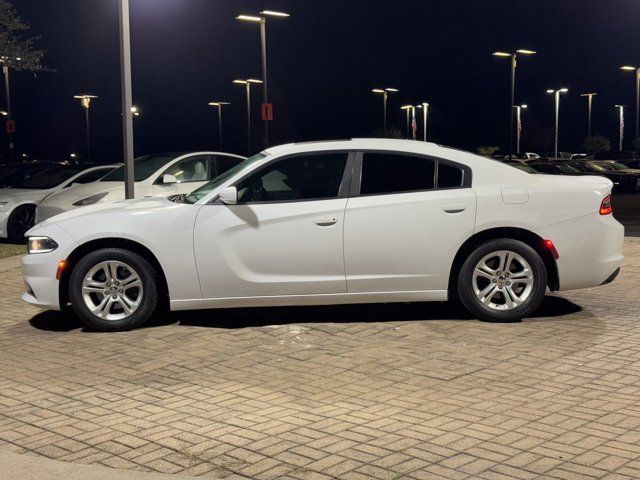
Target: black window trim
357, 174
343, 190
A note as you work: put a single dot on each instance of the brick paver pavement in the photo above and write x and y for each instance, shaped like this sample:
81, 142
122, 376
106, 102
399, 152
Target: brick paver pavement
384, 392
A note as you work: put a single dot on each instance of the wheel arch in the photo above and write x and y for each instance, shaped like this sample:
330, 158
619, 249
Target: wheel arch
11, 216
114, 242
526, 236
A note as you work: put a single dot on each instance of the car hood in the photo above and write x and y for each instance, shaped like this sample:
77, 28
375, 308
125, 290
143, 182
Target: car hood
70, 195
19, 195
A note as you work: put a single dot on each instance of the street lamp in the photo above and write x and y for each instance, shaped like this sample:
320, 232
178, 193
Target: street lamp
425, 114
219, 105
513, 56
556, 94
407, 108
637, 70
247, 83
263, 44
385, 96
518, 109
10, 124
127, 95
85, 102
620, 125
589, 103
135, 111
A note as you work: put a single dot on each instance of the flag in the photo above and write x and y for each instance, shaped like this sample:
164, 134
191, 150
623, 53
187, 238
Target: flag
414, 125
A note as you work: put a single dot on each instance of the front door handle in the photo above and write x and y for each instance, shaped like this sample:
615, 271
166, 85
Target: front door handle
325, 221
460, 207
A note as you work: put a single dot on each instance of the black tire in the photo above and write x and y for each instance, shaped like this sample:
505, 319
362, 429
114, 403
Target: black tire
20, 220
148, 278
466, 286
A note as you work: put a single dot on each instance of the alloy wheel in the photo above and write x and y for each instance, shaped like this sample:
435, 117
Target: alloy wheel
502, 280
112, 290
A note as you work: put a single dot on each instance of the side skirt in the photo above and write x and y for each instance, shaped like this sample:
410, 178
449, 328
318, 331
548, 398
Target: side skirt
319, 299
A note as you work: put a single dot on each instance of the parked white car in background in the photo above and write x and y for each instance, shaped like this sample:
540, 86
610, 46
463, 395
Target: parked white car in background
18, 204
368, 220
158, 175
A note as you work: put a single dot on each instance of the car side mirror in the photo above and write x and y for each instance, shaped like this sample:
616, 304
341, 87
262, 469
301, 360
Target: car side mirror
229, 195
168, 179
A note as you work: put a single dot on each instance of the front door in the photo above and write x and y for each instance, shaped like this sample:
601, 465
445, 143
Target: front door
284, 237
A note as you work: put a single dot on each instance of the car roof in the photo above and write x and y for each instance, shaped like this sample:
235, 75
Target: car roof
357, 143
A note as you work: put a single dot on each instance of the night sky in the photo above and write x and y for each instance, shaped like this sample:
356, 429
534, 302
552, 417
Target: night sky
323, 62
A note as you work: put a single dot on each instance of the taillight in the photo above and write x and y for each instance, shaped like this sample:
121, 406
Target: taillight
605, 206
552, 248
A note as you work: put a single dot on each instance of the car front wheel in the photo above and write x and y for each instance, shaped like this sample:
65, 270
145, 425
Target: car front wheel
113, 289
503, 280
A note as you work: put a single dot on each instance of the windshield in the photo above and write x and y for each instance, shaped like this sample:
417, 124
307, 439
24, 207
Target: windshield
46, 179
618, 166
204, 190
144, 167
567, 168
599, 167
525, 168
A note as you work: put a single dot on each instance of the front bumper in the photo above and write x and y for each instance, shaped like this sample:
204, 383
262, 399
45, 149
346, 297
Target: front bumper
4, 221
39, 271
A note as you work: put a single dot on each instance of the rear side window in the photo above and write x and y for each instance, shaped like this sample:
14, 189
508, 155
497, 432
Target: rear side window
392, 173
449, 176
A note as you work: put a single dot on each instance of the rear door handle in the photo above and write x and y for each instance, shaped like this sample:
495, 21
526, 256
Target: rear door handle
457, 208
325, 221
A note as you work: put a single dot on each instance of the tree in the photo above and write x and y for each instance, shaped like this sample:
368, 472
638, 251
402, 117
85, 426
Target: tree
17, 51
596, 143
488, 151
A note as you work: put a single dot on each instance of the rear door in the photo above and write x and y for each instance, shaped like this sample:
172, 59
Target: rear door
404, 222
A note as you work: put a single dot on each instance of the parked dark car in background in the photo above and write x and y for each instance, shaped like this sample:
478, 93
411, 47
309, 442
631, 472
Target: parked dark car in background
625, 180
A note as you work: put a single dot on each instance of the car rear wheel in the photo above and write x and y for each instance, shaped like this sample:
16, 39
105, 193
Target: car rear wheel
113, 289
20, 220
503, 280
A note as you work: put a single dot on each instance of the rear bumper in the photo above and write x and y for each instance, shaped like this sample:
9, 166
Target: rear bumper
590, 250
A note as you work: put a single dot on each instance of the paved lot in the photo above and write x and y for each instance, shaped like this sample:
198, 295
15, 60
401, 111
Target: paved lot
360, 392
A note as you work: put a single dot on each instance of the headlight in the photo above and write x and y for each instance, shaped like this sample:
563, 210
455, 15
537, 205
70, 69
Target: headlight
90, 200
41, 245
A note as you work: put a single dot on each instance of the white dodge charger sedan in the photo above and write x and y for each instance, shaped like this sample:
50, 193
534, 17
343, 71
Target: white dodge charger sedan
354, 221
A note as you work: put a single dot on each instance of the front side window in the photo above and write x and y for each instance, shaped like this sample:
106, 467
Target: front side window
193, 169
143, 167
393, 173
306, 177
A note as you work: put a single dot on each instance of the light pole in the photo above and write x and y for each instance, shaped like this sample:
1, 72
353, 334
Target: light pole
637, 70
219, 105
127, 101
621, 125
518, 109
247, 83
556, 94
267, 114
10, 124
85, 102
385, 97
513, 56
589, 105
425, 116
